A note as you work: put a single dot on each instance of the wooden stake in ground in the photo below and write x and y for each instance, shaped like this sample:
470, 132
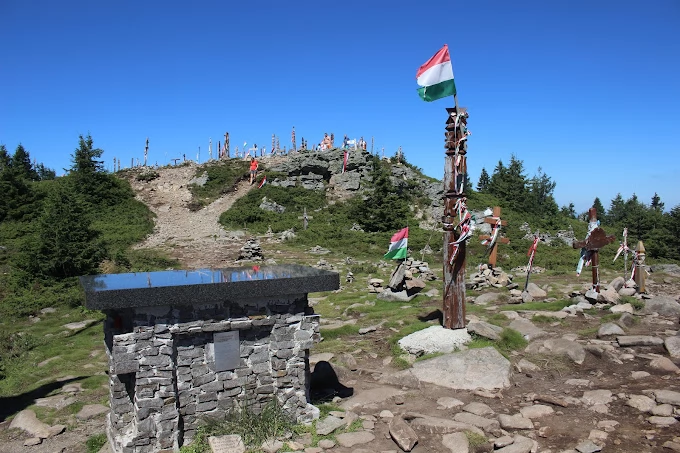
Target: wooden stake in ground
492, 241
456, 221
305, 219
226, 145
293, 139
531, 254
146, 150
594, 241
639, 262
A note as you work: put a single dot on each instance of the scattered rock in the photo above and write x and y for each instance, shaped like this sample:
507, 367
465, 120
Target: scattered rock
404, 436
667, 397
672, 345
448, 402
588, 446
351, 439
27, 421
514, 422
664, 364
456, 442
485, 329
91, 410
80, 324
434, 339
641, 402
536, 411
663, 305
528, 330
638, 340
609, 329
328, 425
535, 291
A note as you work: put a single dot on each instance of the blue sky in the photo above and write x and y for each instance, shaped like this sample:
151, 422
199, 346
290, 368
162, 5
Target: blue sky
587, 90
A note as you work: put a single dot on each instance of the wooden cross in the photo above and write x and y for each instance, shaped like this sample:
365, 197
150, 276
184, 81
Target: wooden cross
596, 239
495, 220
305, 219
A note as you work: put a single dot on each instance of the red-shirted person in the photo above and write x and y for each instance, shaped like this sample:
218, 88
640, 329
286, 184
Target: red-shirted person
253, 170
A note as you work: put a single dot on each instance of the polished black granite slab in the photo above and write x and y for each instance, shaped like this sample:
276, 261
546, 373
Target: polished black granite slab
203, 286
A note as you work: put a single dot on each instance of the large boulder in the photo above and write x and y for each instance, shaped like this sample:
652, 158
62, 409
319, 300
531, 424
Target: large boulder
663, 305
535, 291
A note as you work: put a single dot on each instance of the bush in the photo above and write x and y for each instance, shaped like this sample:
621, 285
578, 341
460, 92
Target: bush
148, 176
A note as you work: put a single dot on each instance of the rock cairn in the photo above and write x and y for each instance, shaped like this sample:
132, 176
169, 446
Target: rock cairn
487, 277
251, 251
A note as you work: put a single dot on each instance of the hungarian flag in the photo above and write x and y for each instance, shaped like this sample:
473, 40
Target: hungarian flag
398, 246
436, 77
263, 182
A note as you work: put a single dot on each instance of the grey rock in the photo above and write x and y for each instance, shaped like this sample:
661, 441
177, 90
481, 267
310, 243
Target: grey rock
662, 410
399, 296
328, 425
588, 446
356, 438
641, 402
627, 319
91, 410
623, 308
663, 305
524, 365
608, 329
594, 397
535, 291
486, 298
485, 329
536, 411
467, 370
672, 345
404, 436
527, 329
477, 408
667, 397
662, 421
562, 346
456, 442
520, 444
526, 297
375, 395
514, 422
486, 424
437, 425
638, 340
26, 420
80, 324
448, 402
434, 339
272, 446
672, 269
627, 292
617, 283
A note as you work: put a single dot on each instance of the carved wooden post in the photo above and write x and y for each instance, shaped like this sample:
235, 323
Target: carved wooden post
595, 240
640, 267
293, 140
497, 223
226, 144
146, 150
455, 167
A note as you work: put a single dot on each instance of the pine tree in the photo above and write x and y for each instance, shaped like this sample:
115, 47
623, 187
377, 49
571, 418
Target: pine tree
382, 209
21, 164
484, 181
601, 213
657, 204
66, 245
617, 210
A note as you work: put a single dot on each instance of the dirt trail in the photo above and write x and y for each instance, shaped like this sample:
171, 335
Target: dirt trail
195, 238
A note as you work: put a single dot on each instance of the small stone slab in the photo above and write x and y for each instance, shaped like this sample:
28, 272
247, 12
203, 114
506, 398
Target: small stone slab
672, 345
623, 308
482, 368
456, 442
477, 408
588, 446
448, 402
80, 324
231, 443
608, 329
520, 444
475, 420
536, 411
351, 439
595, 397
328, 425
641, 402
667, 397
26, 420
664, 364
485, 329
434, 339
638, 340
437, 425
528, 330
514, 422
662, 421
91, 410
370, 396
404, 436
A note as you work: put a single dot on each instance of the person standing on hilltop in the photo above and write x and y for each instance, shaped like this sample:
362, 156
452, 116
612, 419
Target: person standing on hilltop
253, 170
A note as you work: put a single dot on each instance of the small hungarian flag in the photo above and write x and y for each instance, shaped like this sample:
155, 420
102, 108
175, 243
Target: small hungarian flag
398, 245
263, 182
436, 77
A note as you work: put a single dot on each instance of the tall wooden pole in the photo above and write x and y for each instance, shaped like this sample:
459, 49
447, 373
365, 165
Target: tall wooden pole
454, 270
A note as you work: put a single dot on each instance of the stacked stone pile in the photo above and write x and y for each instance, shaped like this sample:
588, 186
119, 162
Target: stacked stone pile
490, 277
251, 251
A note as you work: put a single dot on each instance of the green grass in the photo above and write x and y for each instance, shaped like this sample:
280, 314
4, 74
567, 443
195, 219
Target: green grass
95, 442
475, 440
222, 177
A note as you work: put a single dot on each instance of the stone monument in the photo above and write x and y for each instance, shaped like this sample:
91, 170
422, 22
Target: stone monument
184, 345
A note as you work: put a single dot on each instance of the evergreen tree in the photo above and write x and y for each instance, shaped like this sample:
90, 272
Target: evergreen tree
636, 219
21, 164
601, 213
672, 227
16, 196
467, 184
657, 204
568, 211
382, 209
44, 173
617, 210
540, 198
66, 245
497, 183
484, 181
5, 159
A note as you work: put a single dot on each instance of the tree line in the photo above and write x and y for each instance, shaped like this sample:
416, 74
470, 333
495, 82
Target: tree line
659, 230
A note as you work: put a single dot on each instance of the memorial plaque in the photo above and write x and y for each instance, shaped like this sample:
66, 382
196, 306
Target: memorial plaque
227, 350
231, 443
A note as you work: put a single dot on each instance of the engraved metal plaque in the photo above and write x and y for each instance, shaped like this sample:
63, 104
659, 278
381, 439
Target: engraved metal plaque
227, 350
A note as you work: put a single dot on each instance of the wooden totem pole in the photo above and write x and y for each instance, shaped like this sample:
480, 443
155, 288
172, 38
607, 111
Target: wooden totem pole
594, 241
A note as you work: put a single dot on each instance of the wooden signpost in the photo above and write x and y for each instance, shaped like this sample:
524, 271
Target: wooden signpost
492, 241
639, 262
594, 241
